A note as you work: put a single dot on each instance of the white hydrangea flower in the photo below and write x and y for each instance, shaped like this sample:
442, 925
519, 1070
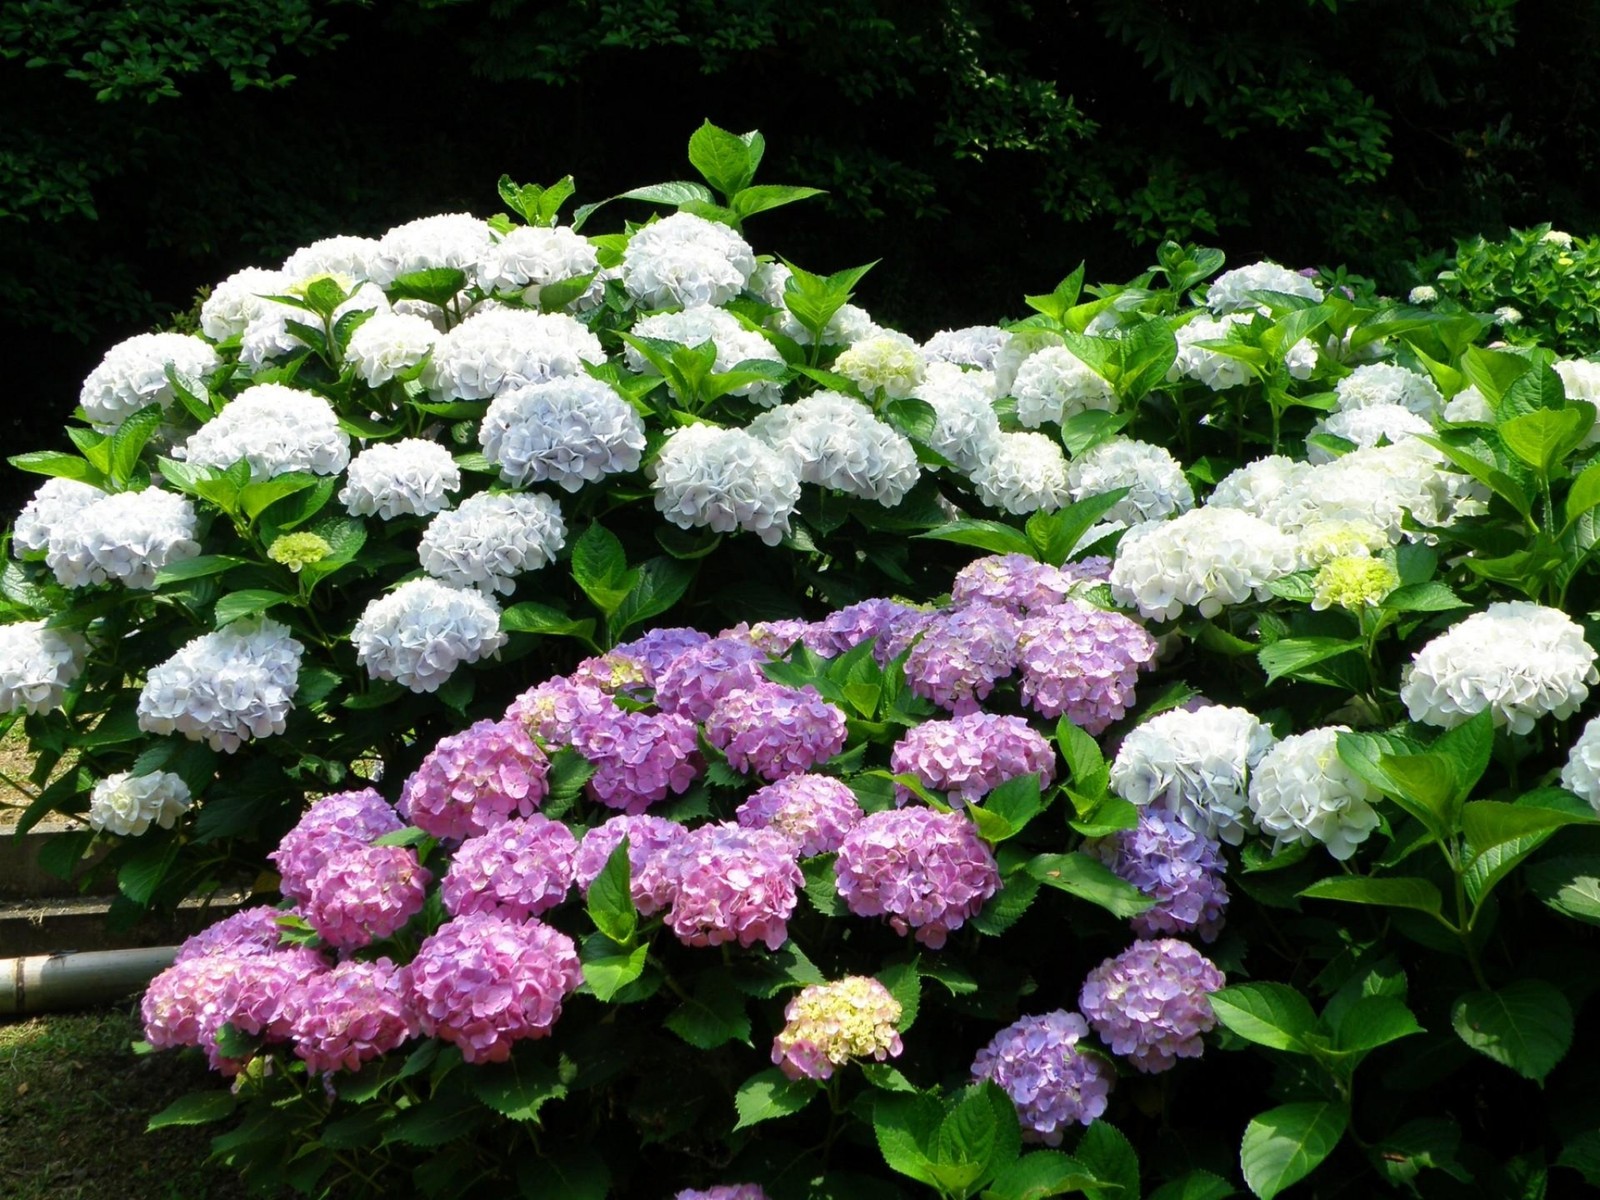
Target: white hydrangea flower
735, 344
684, 260
268, 336
340, 255
1159, 487
276, 429
725, 479
225, 688
491, 539
1022, 345
1217, 371
1520, 660
1580, 379
1301, 792
1377, 485
37, 665
128, 536
1582, 771
505, 348
569, 431
1026, 472
1367, 427
455, 240
387, 344
1469, 404
1205, 559
1054, 384
418, 634
1255, 487
238, 298
133, 375
1229, 292
56, 501
1423, 294
887, 363
127, 804
1385, 383
1323, 541
531, 257
1195, 766
411, 477
835, 441
973, 346
1301, 360
1507, 315
968, 429
1558, 238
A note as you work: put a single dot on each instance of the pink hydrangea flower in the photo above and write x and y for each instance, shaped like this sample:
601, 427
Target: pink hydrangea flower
926, 871
1083, 663
518, 869
558, 706
364, 893
248, 931
652, 845
693, 682
963, 652
189, 1002
352, 1014
775, 730
734, 884
474, 780
969, 756
640, 758
1151, 1002
815, 810
359, 817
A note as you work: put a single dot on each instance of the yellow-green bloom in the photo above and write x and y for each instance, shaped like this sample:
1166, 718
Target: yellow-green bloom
297, 550
1353, 582
831, 1023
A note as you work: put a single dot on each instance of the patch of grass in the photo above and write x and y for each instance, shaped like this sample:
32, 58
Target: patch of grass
74, 1100
15, 763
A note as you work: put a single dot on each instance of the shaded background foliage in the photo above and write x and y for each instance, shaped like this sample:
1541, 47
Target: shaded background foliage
980, 147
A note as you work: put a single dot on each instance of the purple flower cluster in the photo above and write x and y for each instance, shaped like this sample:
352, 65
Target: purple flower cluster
724, 1191
1082, 662
517, 870
353, 817
902, 630
556, 708
652, 857
1180, 868
775, 730
815, 810
189, 1002
1053, 1084
611, 673
734, 884
971, 755
639, 758
926, 871
1150, 1003
773, 638
352, 1014
848, 627
363, 893
961, 655
472, 781
482, 982
693, 682
248, 931
655, 649
1010, 581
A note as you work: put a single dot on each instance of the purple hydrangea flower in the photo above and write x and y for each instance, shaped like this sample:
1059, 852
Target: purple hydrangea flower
734, 884
518, 869
693, 682
652, 866
773, 638
775, 730
815, 810
614, 674
828, 1024
474, 780
1082, 662
640, 758
962, 654
189, 1002
1036, 1062
358, 817
724, 1191
659, 647
1180, 868
352, 1014
248, 931
926, 871
556, 707
363, 893
1010, 581
969, 756
900, 632
850, 626
482, 983
1150, 1003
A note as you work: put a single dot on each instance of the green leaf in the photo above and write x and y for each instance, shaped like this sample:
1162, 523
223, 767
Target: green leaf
1486, 473
659, 583
237, 605
1147, 353
712, 1015
1007, 906
1422, 597
600, 568
1392, 892
1090, 773
1290, 656
1039, 1174
1195, 1185
130, 439
985, 535
409, 836
197, 1108
1016, 801
1569, 884
516, 1088
610, 900
727, 161
1057, 534
577, 1174
1109, 1156
1544, 437
905, 1127
1536, 389
1269, 1014
885, 1078
1501, 836
1493, 371
1583, 495
1582, 1154
197, 568
904, 982
258, 497
1284, 1145
608, 968
771, 1094
1526, 1026
436, 1122
1374, 1021
821, 887
436, 285
976, 1138
141, 875
54, 462
1426, 1144
1090, 879
749, 201
532, 617
1056, 304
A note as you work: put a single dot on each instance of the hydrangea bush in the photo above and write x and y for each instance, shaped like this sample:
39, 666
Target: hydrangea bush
1207, 804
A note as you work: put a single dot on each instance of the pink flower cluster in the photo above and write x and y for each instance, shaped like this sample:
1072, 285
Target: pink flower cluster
1036, 1062
962, 654
848, 627
639, 758
248, 931
364, 893
971, 755
652, 866
472, 781
345, 817
555, 708
1082, 663
734, 884
1150, 1003
828, 1024
517, 870
693, 682
775, 730
926, 871
815, 810
352, 1014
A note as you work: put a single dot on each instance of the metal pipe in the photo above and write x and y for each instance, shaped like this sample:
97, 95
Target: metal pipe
77, 979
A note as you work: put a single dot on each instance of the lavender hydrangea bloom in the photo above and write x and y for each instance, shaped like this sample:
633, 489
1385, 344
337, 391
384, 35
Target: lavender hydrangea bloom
473, 781
971, 755
724, 1191
773, 638
1181, 869
1150, 1003
848, 627
1053, 1084
246, 932
815, 810
1194, 765
519, 869
364, 893
659, 647
358, 817
926, 871
639, 758
189, 1002
482, 982
554, 709
734, 884
828, 1024
653, 843
775, 730
961, 655
1011, 581
1082, 663
352, 1014
693, 682
612, 673
901, 632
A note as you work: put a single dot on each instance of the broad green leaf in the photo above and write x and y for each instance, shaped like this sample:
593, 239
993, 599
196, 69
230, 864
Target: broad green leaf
1569, 884
1526, 1025
257, 497
1039, 1174
1544, 437
1284, 1145
54, 462
913, 417
821, 888
885, 1078
248, 603
532, 617
1536, 390
1007, 906
726, 160
1089, 771
1426, 1144
1582, 1154
1289, 656
659, 583
1501, 836
516, 1088
905, 1127
578, 1174
1486, 473
1147, 353
771, 1094
1195, 1185
1017, 801
436, 1121
979, 1136
435, 285
712, 1015
197, 568
985, 535
904, 982
1110, 1157
600, 568
1057, 534
129, 441
1492, 371
1392, 892
1090, 879
1583, 495
1374, 1021
608, 968
1422, 597
1056, 304
610, 900
1269, 1014
196, 1108
747, 202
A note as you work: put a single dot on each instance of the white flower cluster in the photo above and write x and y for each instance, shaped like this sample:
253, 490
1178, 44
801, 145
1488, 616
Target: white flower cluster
51, 506
418, 634
1366, 427
276, 429
491, 539
1054, 384
411, 477
1194, 765
1301, 792
887, 362
1423, 293
968, 429
387, 344
128, 536
684, 260
225, 688
37, 665
1520, 660
569, 432
499, 348
1258, 487
339, 255
1581, 774
1385, 383
1229, 292
127, 804
268, 335
835, 441
457, 240
1159, 486
735, 344
1217, 371
1469, 404
1580, 379
133, 375
530, 258
1205, 559
235, 301
1377, 485
725, 479
974, 346
1025, 472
